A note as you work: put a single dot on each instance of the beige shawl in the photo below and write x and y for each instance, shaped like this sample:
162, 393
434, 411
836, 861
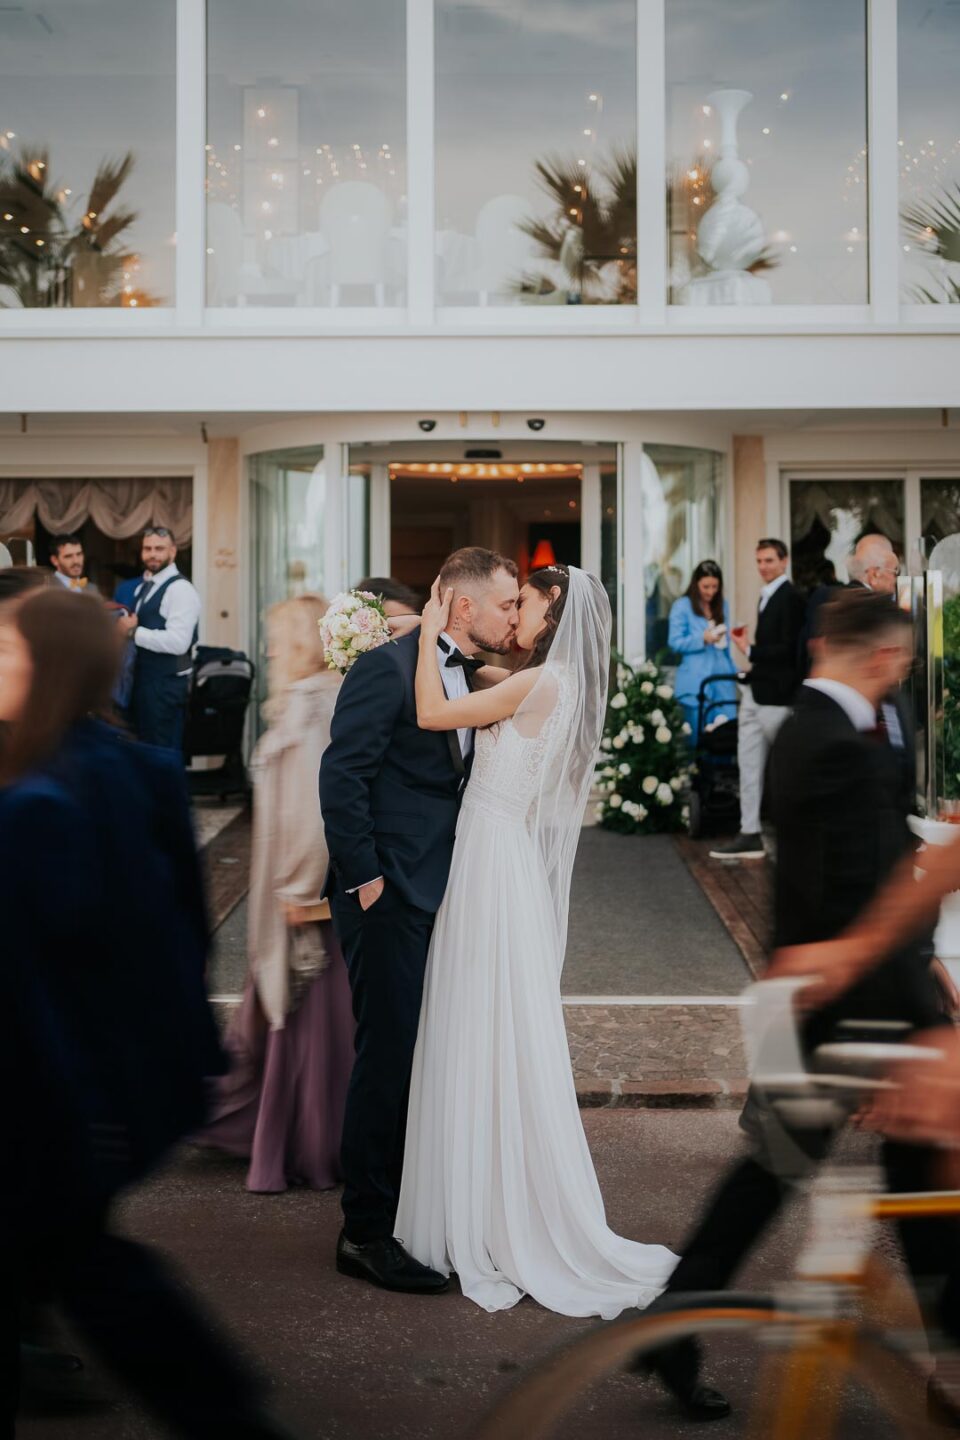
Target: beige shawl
289, 858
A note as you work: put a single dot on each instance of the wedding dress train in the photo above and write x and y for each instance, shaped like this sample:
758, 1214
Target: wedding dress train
498, 1182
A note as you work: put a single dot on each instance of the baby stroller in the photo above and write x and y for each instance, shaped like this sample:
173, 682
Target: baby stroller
715, 787
216, 711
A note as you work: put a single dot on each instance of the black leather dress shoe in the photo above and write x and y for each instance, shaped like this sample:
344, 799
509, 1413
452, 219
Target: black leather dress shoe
675, 1366
387, 1264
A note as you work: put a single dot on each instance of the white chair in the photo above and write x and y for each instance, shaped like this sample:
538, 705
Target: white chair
355, 221
225, 262
504, 252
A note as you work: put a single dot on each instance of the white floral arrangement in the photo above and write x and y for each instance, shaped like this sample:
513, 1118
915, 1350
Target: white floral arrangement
644, 765
355, 623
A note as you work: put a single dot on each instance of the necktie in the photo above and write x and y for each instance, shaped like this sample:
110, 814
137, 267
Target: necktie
144, 593
467, 662
879, 732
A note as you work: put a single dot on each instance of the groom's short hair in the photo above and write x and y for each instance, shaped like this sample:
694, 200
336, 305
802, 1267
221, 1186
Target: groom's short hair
473, 565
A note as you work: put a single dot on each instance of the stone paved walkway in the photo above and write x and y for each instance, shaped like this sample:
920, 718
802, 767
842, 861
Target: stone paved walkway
657, 1055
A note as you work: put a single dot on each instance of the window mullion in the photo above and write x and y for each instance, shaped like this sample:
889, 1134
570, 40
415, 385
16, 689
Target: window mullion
191, 170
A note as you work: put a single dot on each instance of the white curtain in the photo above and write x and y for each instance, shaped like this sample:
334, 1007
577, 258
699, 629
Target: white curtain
118, 508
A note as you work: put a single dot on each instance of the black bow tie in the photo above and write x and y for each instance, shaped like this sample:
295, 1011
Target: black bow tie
467, 662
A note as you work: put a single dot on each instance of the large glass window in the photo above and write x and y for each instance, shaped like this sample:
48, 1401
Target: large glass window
939, 510
287, 508
87, 148
680, 493
536, 152
766, 152
306, 152
828, 517
929, 151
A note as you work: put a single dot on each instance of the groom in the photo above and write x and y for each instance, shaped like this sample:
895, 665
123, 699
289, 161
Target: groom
389, 795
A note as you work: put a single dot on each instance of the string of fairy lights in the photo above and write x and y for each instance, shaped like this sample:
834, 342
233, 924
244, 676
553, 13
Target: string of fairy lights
455, 471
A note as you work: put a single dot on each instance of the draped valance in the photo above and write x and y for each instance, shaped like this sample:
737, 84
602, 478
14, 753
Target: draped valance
118, 508
850, 504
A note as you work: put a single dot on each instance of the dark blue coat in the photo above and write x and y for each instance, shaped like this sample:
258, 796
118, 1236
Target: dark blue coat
102, 992
389, 791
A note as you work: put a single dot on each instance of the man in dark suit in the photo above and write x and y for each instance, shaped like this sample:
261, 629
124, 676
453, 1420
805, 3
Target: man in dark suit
390, 795
872, 565
840, 813
772, 680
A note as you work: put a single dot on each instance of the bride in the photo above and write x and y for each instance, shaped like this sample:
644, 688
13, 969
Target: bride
498, 1183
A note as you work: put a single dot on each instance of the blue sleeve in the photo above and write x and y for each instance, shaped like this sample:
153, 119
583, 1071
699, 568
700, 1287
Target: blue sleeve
682, 636
361, 731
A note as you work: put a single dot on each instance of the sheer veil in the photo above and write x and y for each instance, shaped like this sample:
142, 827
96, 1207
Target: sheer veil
566, 707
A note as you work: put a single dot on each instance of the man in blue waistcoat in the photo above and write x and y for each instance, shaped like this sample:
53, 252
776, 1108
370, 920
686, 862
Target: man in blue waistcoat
164, 626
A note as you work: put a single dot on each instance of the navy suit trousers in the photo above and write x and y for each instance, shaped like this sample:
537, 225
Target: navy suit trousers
385, 948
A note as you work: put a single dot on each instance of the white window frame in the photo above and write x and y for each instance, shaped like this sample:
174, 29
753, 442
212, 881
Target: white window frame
422, 315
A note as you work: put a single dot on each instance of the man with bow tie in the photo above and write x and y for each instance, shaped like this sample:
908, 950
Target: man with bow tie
390, 795
68, 561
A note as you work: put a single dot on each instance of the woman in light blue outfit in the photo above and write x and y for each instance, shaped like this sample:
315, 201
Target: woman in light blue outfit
699, 632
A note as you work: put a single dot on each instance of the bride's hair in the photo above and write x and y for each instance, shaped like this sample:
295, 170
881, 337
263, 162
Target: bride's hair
549, 578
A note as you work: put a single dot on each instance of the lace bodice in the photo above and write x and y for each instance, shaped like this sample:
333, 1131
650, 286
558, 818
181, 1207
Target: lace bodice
508, 765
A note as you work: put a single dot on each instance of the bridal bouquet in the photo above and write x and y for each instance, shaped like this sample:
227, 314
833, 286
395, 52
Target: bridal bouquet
355, 623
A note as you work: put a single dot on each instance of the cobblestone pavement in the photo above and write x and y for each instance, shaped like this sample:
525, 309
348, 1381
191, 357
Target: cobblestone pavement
674, 1055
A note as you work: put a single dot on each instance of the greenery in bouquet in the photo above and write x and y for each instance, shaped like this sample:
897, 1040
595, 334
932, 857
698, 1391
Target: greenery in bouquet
644, 765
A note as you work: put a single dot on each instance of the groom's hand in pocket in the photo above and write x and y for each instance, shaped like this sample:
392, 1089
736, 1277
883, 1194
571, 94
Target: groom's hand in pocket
369, 894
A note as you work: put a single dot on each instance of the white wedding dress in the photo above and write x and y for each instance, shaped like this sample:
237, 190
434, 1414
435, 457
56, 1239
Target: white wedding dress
498, 1182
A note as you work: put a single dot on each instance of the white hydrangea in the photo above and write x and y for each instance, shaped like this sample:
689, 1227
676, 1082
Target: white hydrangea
663, 735
646, 687
650, 783
664, 795
619, 701
618, 742
624, 768
665, 692
615, 801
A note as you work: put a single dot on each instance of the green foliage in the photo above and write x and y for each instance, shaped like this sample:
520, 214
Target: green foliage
49, 258
951, 698
933, 227
645, 763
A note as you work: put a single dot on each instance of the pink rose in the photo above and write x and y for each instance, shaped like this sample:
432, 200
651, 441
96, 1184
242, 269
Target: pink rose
365, 620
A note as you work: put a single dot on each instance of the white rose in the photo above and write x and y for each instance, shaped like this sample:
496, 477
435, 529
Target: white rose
665, 692
658, 717
618, 742
685, 729
664, 795
646, 688
642, 812
616, 801
624, 769
619, 701
637, 735
605, 743
650, 784
685, 814
361, 643
650, 668
676, 783
599, 811
608, 770
663, 735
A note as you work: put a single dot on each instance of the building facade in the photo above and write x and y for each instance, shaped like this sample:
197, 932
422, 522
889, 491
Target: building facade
337, 287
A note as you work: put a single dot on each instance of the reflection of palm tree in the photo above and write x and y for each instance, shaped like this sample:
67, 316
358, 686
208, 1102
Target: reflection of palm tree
47, 259
592, 235
933, 226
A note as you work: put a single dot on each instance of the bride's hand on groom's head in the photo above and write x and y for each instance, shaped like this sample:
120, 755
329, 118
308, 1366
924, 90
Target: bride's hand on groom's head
436, 612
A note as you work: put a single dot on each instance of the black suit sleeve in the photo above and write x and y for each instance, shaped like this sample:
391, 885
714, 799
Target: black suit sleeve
366, 713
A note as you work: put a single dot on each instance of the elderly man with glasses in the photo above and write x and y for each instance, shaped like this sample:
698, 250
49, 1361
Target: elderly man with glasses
164, 626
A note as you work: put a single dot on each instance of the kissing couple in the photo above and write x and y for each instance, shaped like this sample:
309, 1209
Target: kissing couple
453, 793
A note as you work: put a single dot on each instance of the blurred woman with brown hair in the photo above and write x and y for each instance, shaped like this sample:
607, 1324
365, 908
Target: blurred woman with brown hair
291, 1042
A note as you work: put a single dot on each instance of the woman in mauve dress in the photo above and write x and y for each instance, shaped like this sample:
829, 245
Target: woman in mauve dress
291, 1041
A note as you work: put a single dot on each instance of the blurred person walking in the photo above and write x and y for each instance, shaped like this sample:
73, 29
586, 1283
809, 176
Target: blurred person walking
840, 811
291, 1043
164, 626
772, 681
106, 1035
699, 632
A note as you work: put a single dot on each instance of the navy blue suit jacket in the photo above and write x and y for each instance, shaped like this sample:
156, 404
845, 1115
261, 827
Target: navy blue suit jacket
102, 994
389, 791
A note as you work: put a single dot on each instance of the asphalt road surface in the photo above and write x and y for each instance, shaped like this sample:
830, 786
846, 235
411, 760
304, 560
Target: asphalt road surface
352, 1363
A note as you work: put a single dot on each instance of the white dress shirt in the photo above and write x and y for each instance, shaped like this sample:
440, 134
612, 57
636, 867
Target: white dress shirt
455, 685
771, 587
856, 707
179, 606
